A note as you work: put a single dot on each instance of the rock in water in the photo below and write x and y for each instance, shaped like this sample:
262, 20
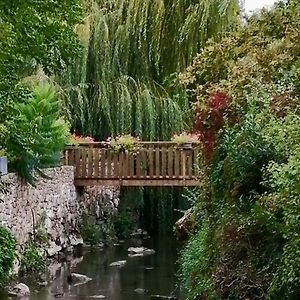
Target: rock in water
141, 291
186, 225
136, 250
139, 251
163, 297
20, 290
120, 263
78, 279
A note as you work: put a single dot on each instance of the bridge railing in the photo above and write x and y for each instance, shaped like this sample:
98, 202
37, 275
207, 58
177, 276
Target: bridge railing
154, 163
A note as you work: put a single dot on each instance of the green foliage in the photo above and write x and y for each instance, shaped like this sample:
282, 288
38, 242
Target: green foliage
35, 133
36, 33
95, 231
31, 260
91, 234
124, 82
196, 267
249, 209
7, 253
35, 36
125, 222
251, 214
265, 51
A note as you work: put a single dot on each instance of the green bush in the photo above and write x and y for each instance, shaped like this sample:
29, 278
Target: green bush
31, 260
35, 133
125, 222
247, 245
92, 234
7, 253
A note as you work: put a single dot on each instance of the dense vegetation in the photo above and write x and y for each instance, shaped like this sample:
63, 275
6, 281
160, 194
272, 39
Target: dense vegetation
125, 75
246, 94
37, 40
7, 253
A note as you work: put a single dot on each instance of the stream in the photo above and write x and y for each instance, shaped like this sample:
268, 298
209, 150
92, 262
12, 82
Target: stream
140, 278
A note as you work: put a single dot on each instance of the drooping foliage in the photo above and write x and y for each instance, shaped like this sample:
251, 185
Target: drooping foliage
125, 82
248, 208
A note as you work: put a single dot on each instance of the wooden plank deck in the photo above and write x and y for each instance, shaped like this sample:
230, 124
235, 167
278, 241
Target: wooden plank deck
153, 164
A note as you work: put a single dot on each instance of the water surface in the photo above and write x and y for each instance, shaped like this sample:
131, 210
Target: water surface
157, 274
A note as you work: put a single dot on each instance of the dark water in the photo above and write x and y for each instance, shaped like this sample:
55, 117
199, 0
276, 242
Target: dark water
119, 283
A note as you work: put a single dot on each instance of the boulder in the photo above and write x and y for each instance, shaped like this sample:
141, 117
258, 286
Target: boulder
20, 290
140, 233
163, 297
141, 291
120, 263
139, 251
78, 279
186, 225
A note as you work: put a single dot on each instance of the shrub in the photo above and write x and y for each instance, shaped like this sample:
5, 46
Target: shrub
7, 253
247, 246
31, 260
35, 133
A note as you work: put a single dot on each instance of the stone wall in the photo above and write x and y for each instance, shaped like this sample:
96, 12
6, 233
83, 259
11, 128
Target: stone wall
52, 210
49, 209
98, 207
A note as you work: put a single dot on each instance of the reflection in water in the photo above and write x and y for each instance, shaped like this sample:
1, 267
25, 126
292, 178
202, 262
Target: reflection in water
155, 273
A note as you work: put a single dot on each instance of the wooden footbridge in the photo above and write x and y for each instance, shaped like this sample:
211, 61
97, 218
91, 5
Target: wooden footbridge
152, 164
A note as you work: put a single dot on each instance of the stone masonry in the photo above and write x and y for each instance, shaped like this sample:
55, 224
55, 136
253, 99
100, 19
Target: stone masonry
49, 208
53, 208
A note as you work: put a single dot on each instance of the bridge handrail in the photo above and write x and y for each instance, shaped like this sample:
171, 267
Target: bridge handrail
154, 163
142, 143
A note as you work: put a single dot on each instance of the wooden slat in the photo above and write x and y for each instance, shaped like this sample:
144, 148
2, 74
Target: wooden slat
189, 166
177, 163
144, 165
83, 162
151, 162
163, 162
170, 172
78, 171
116, 165
96, 163
122, 164
157, 162
138, 163
69, 157
128, 161
195, 161
108, 163
90, 163
183, 164
131, 165
103, 165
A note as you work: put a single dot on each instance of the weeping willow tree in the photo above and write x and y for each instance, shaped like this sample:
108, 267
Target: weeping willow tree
125, 81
